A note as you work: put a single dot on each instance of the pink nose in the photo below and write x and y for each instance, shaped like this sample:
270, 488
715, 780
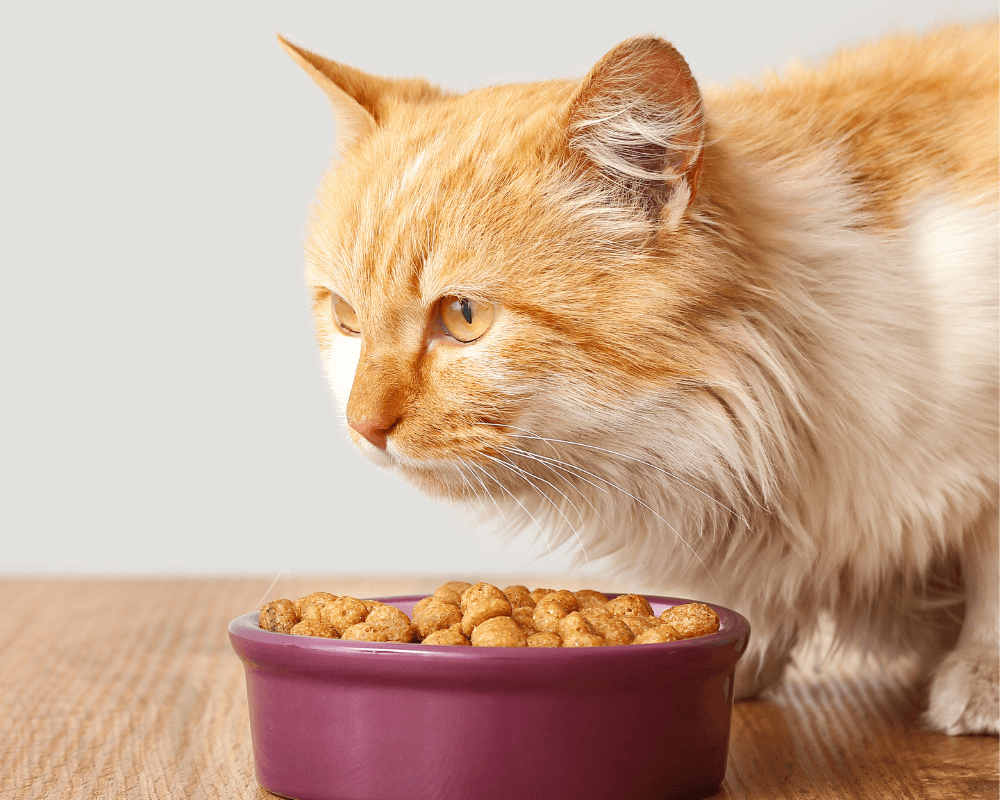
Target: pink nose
375, 429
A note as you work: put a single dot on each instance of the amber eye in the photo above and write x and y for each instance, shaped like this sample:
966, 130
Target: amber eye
344, 315
466, 319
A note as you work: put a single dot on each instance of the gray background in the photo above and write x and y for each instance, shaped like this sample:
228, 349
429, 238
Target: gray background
163, 407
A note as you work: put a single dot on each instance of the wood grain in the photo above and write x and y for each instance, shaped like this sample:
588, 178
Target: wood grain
129, 689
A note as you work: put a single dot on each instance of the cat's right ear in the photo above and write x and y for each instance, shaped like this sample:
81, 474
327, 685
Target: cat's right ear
638, 119
360, 101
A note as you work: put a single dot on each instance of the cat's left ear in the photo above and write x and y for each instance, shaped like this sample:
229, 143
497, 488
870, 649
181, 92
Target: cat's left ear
360, 101
638, 118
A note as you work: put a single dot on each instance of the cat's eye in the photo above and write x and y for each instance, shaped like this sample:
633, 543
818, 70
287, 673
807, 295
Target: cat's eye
344, 315
464, 318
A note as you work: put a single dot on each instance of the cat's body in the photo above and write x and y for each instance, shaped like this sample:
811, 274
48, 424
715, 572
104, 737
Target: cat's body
747, 342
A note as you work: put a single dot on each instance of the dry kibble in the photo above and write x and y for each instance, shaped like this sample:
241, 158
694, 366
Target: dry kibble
499, 632
547, 614
344, 612
588, 598
525, 618
446, 636
481, 591
630, 604
661, 632
577, 632
312, 612
595, 612
482, 609
543, 639
434, 616
311, 627
392, 622
692, 619
279, 616
611, 629
363, 632
573, 623
313, 599
639, 624
519, 597
564, 598
451, 592
460, 613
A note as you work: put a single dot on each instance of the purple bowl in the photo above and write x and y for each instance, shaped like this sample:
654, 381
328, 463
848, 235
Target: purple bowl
335, 720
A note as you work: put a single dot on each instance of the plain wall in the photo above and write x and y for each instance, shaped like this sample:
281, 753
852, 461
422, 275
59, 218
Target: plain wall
164, 409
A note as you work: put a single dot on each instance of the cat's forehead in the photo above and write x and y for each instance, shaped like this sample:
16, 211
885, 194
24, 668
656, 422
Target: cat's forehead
417, 210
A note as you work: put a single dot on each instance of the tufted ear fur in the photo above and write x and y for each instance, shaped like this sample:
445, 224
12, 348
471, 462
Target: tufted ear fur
360, 101
638, 119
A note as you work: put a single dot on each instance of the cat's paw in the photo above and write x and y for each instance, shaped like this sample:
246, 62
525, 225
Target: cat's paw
965, 692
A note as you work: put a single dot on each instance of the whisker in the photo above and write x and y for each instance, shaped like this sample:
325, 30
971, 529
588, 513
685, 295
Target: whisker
504, 488
669, 474
647, 507
524, 474
544, 462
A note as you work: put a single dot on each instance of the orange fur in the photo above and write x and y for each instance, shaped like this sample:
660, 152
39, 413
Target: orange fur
747, 342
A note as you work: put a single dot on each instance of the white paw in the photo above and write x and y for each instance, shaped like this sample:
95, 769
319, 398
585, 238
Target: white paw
965, 692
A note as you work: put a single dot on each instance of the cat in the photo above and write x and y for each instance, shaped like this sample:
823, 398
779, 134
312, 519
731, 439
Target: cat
743, 341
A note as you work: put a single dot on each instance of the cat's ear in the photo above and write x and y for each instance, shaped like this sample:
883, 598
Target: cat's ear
638, 118
360, 101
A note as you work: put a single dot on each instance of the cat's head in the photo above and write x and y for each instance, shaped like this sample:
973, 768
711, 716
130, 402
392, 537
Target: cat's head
497, 274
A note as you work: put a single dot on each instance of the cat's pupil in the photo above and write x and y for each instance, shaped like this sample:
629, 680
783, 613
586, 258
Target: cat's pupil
467, 311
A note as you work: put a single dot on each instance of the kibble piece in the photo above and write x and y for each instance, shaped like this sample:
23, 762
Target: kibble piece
363, 632
543, 639
525, 618
519, 597
279, 616
596, 612
499, 632
611, 629
639, 624
371, 605
344, 612
314, 612
538, 594
311, 627
434, 616
481, 591
451, 592
482, 609
577, 632
658, 633
313, 598
446, 636
588, 598
574, 622
547, 614
630, 604
392, 622
692, 619
563, 597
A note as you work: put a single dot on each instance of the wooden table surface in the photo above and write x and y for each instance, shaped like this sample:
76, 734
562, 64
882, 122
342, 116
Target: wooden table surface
129, 689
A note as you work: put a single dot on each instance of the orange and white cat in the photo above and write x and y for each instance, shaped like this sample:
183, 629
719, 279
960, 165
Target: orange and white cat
745, 340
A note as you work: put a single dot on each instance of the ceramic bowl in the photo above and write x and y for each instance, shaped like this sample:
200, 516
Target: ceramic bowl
335, 720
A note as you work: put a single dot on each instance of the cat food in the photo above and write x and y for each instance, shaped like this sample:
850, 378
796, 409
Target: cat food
483, 615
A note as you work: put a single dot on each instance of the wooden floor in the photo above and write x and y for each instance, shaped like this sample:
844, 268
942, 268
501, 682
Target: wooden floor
129, 689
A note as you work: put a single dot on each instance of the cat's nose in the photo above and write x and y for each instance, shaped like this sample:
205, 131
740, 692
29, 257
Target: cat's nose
374, 428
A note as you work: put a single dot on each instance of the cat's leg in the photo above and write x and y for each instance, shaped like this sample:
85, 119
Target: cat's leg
965, 690
767, 656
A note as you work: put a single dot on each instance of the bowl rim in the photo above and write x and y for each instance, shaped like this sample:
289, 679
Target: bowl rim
734, 632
